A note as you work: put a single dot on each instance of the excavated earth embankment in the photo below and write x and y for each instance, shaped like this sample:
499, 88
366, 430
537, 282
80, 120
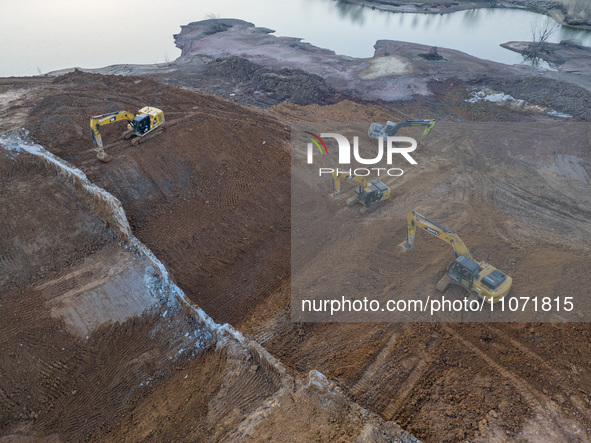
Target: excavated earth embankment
210, 197
98, 342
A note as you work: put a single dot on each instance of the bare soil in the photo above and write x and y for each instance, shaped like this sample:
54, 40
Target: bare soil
91, 348
211, 198
60, 381
453, 382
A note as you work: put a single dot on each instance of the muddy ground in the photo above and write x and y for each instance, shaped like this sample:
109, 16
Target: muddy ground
94, 344
210, 197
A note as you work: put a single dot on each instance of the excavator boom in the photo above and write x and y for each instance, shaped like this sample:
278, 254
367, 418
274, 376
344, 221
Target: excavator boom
104, 119
414, 220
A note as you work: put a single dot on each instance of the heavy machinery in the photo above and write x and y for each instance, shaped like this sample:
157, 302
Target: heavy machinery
148, 120
371, 197
472, 273
377, 130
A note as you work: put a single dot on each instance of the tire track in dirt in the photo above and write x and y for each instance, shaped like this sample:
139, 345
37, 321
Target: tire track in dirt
7, 404
219, 213
268, 328
518, 197
533, 396
416, 374
367, 380
56, 377
24, 313
115, 364
553, 420
399, 370
558, 379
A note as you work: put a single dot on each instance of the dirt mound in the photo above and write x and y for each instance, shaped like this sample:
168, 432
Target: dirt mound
210, 196
296, 86
35, 247
81, 361
563, 97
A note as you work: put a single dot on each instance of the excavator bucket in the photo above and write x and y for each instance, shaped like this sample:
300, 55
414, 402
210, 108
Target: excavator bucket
98, 148
105, 158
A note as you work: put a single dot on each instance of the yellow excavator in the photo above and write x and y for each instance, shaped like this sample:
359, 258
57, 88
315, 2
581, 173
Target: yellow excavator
373, 196
473, 274
148, 120
370, 197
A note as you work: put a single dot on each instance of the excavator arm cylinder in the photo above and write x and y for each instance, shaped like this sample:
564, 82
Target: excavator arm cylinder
415, 219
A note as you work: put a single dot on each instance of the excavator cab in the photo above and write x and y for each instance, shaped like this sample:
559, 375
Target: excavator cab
463, 270
141, 124
374, 193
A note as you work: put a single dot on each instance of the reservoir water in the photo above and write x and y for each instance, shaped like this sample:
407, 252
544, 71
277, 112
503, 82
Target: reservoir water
38, 37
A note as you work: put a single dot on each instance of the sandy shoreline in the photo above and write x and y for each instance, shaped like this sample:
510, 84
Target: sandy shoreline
558, 12
237, 60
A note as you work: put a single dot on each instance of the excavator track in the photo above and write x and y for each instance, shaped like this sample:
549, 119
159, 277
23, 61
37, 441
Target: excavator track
148, 136
443, 283
128, 134
368, 210
352, 201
